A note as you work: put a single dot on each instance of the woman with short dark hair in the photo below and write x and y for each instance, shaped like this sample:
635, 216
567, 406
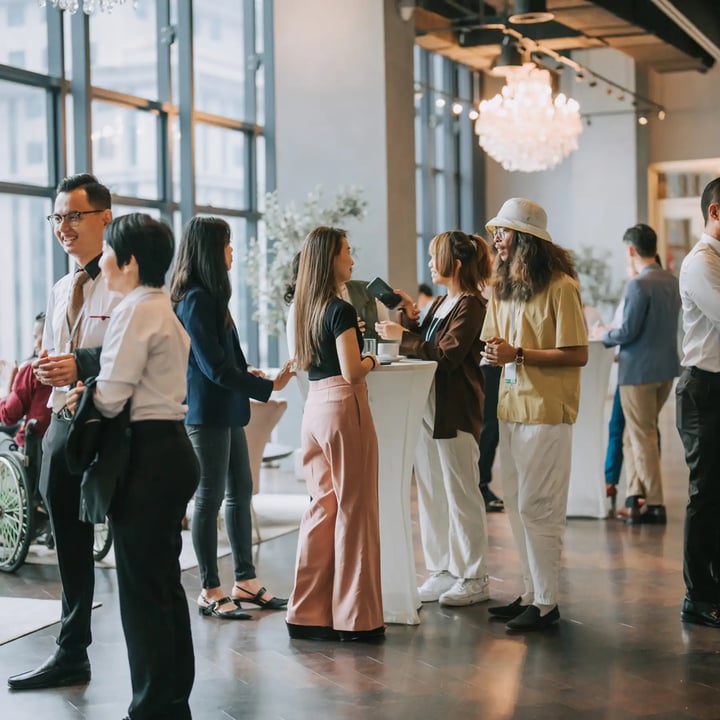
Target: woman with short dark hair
143, 364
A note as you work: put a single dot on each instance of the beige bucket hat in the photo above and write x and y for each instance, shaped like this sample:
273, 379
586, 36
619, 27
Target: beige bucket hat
521, 215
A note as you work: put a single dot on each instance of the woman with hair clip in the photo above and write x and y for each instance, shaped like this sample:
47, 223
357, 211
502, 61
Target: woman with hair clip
220, 385
535, 331
143, 363
453, 526
337, 593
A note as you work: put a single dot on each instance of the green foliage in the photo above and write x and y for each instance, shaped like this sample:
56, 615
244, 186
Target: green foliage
269, 262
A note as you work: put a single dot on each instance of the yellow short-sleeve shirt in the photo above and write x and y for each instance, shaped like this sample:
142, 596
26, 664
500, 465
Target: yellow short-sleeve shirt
553, 318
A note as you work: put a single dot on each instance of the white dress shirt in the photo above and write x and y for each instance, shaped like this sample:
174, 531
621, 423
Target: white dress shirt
144, 359
93, 322
700, 295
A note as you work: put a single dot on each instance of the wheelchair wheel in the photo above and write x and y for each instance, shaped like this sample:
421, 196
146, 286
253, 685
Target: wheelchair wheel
16, 513
103, 540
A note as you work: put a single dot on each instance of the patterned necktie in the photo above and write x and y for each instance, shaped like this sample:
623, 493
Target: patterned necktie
77, 299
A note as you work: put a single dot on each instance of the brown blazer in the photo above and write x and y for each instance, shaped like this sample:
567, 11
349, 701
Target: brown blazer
459, 387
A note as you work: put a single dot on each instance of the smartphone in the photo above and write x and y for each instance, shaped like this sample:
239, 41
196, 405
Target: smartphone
384, 293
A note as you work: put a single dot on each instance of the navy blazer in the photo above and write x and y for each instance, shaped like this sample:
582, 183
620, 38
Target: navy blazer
219, 386
648, 334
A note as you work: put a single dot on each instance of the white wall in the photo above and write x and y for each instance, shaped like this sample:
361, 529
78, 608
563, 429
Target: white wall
690, 130
345, 117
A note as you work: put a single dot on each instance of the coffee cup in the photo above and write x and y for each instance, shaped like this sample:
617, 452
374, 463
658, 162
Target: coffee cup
389, 350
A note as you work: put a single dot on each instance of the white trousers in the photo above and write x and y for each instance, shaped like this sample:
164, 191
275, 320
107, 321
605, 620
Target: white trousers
535, 465
453, 528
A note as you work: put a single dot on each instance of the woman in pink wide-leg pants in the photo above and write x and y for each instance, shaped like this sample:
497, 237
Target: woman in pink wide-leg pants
337, 593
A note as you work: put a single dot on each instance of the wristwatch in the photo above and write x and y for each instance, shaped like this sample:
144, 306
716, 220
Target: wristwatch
519, 356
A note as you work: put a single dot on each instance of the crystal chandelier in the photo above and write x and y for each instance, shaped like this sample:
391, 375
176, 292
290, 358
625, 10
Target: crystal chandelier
88, 6
524, 128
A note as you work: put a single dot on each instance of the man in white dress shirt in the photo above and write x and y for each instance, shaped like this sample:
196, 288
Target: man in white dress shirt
698, 416
77, 316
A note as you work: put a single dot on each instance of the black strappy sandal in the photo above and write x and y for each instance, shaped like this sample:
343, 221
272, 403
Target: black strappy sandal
211, 609
274, 603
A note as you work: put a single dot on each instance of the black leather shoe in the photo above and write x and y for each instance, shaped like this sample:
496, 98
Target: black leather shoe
654, 515
700, 613
492, 502
375, 635
52, 673
508, 612
312, 632
531, 619
631, 515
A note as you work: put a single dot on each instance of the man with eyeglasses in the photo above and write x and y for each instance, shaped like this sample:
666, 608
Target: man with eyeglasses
77, 315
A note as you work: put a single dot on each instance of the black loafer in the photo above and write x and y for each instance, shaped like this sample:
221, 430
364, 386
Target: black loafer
312, 632
531, 619
508, 612
492, 502
52, 673
375, 635
700, 613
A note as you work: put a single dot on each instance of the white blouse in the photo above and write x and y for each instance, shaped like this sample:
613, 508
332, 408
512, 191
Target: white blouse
144, 358
700, 295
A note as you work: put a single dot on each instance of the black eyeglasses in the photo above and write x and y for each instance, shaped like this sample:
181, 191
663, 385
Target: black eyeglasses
73, 217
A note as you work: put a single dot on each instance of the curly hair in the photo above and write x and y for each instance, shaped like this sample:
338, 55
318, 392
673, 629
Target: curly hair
530, 268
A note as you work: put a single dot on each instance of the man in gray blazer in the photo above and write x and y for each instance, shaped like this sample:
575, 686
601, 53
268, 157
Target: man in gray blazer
648, 362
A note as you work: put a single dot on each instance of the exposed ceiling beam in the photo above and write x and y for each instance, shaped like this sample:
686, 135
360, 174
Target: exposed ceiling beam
694, 16
648, 15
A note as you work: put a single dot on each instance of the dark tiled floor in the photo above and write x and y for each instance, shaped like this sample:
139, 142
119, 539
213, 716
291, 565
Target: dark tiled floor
620, 652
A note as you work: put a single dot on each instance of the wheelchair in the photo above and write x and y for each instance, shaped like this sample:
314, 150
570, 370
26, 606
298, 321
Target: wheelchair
23, 517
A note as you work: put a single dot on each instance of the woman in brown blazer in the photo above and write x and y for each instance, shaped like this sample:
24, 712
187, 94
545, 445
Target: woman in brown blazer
451, 508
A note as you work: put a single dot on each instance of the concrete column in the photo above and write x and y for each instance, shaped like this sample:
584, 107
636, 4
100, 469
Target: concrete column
345, 116
344, 101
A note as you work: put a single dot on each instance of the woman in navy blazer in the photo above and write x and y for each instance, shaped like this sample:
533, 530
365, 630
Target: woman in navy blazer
220, 385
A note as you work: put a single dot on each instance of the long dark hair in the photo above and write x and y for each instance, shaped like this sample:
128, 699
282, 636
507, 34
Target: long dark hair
530, 267
316, 287
201, 260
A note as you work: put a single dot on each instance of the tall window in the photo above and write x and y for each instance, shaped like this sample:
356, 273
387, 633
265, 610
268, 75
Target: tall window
448, 171
163, 103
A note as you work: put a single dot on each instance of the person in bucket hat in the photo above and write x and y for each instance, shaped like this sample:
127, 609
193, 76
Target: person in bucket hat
535, 330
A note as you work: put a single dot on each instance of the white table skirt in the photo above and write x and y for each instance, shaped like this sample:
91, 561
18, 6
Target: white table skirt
398, 394
586, 497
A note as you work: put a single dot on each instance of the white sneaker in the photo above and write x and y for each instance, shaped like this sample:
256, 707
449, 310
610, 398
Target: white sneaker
435, 586
467, 591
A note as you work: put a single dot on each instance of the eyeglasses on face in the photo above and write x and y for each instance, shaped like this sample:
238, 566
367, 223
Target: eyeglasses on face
500, 233
73, 217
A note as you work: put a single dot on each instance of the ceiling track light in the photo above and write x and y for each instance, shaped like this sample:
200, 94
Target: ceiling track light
510, 57
529, 12
538, 52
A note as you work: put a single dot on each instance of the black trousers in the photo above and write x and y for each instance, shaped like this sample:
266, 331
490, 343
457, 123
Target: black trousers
146, 515
60, 490
490, 433
698, 421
